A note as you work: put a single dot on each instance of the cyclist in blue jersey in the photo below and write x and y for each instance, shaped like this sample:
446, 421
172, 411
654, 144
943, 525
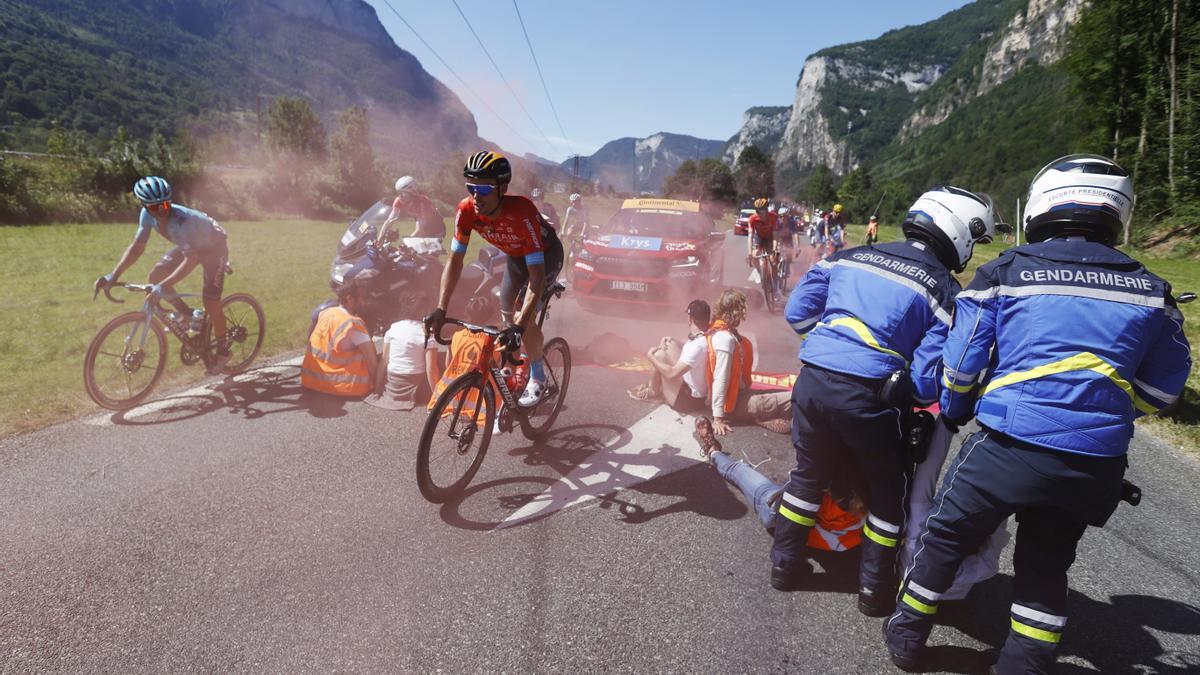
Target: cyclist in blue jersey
197, 239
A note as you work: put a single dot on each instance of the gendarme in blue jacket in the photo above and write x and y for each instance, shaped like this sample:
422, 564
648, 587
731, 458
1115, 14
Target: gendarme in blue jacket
873, 310
1062, 344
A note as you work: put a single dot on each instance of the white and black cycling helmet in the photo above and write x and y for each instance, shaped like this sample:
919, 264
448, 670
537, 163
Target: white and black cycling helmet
536, 193
1087, 195
575, 196
152, 190
952, 220
405, 184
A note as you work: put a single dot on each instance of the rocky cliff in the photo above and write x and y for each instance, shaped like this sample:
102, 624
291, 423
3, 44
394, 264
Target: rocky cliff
854, 100
643, 164
762, 127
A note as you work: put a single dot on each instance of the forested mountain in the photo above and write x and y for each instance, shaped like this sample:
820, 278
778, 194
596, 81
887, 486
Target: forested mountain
642, 164
987, 94
174, 65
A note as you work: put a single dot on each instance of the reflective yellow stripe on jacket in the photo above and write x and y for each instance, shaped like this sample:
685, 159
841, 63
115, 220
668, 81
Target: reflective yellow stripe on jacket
1080, 361
864, 333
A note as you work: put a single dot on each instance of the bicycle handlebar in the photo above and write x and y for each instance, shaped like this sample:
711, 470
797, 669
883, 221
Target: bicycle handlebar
144, 288
474, 328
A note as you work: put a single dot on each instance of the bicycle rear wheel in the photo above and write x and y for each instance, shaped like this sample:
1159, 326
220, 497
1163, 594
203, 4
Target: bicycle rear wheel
767, 282
124, 361
557, 357
455, 438
245, 325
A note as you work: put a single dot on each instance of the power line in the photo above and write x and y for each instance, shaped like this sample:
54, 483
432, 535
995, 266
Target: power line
541, 76
498, 71
459, 77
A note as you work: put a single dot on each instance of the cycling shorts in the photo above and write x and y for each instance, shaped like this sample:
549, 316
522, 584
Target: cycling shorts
212, 261
516, 275
766, 243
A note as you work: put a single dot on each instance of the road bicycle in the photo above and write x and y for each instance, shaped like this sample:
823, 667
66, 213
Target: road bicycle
769, 268
129, 354
463, 417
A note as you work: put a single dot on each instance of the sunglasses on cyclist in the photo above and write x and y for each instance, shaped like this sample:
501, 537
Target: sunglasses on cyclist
161, 206
480, 190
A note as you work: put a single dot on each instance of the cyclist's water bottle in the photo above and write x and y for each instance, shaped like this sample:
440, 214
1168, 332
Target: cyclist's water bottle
197, 320
515, 378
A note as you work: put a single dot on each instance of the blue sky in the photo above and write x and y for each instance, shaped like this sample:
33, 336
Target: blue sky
622, 68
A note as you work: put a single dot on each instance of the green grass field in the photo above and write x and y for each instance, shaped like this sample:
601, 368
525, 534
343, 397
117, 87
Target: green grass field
51, 318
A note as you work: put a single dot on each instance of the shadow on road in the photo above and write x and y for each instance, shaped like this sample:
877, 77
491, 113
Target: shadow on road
1114, 637
256, 393
589, 469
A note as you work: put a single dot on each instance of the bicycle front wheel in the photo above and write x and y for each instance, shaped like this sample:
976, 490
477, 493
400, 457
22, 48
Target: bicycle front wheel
455, 438
245, 326
557, 358
124, 361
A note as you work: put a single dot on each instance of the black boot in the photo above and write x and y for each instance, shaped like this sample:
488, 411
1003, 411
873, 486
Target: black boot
786, 580
876, 602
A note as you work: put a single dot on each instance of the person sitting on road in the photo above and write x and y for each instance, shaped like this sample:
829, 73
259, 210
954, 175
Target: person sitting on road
730, 359
429, 222
538, 196
197, 240
677, 375
412, 363
341, 358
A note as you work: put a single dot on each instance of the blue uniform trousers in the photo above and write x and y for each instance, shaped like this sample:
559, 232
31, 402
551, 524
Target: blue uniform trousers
1055, 496
839, 419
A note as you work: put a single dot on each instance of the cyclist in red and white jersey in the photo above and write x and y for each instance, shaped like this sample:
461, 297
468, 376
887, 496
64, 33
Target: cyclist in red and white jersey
535, 255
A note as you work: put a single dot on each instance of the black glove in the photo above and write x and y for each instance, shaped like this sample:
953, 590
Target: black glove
510, 338
434, 321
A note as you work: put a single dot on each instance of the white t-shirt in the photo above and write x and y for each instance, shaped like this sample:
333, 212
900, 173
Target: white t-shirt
405, 342
695, 355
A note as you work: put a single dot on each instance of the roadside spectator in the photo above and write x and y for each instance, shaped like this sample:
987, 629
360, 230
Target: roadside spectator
730, 359
678, 369
412, 363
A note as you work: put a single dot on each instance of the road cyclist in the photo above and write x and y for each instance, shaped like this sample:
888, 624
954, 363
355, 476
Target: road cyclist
535, 257
197, 240
760, 247
415, 204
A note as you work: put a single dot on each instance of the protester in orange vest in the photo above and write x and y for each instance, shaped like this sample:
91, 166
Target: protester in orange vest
730, 359
842, 513
341, 358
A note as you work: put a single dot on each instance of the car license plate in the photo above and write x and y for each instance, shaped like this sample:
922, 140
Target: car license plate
637, 286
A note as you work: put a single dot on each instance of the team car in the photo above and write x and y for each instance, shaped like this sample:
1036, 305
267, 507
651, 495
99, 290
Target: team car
741, 226
651, 252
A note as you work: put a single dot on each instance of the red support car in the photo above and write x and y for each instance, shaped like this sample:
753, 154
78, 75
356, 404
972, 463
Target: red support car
653, 252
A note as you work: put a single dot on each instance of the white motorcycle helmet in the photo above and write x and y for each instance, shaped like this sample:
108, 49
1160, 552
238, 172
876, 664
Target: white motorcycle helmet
952, 220
405, 184
1085, 195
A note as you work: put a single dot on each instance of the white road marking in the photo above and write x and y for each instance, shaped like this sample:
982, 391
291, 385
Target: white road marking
172, 400
659, 444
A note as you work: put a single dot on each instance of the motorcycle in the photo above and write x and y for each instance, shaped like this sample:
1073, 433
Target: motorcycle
406, 265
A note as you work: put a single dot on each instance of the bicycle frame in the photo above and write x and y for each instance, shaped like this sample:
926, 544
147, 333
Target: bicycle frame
151, 311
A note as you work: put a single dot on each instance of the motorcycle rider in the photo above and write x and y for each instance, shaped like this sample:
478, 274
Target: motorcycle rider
870, 315
535, 256
538, 196
417, 205
1056, 347
197, 239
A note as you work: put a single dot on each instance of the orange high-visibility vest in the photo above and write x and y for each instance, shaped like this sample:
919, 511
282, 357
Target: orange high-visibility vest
837, 529
740, 364
466, 348
327, 368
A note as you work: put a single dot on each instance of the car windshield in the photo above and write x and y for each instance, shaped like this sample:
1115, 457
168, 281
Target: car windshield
354, 241
670, 224
746, 213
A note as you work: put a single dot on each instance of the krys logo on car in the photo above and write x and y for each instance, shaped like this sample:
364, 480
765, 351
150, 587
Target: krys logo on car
636, 243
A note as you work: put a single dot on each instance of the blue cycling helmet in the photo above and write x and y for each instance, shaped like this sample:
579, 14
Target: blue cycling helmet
152, 190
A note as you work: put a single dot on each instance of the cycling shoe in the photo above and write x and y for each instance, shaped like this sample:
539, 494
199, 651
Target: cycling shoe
533, 393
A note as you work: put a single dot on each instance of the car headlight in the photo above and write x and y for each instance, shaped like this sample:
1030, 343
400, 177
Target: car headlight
690, 261
685, 267
585, 254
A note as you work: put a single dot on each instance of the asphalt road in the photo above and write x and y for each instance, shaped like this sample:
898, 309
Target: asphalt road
239, 527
